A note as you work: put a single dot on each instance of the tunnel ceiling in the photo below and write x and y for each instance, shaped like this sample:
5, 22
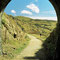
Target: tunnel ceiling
3, 4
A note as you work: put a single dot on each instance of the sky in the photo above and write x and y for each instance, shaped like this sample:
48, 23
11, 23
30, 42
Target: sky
36, 9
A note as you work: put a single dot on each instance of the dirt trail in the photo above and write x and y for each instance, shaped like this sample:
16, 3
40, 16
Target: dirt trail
30, 50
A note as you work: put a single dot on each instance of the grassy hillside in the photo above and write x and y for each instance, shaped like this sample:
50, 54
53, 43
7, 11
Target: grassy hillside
13, 38
16, 28
39, 28
45, 31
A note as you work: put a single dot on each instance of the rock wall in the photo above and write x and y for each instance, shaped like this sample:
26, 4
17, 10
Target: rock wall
56, 5
3, 4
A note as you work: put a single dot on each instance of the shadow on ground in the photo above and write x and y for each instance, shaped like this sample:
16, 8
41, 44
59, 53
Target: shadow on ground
48, 50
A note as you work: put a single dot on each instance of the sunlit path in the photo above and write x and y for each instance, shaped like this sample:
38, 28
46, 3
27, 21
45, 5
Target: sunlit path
29, 52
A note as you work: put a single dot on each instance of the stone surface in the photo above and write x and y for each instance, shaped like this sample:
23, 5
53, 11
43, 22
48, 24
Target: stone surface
56, 5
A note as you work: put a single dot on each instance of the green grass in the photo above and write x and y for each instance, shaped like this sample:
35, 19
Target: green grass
35, 26
42, 38
14, 51
12, 46
20, 25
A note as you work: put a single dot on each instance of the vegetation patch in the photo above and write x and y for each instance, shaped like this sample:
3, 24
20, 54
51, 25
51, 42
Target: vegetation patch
15, 30
14, 40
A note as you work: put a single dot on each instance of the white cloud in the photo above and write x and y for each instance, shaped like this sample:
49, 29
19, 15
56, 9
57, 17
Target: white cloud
36, 0
47, 18
26, 12
33, 7
49, 12
13, 11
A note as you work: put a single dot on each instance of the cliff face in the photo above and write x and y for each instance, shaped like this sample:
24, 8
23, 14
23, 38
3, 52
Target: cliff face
3, 4
10, 30
13, 38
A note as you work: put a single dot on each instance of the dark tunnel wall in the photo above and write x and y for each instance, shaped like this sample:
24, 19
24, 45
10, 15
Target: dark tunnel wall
56, 5
3, 4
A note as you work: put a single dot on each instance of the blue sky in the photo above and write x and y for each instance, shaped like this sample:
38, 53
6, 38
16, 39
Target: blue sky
36, 9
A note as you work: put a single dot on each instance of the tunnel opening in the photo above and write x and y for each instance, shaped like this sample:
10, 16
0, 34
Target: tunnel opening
57, 9
14, 35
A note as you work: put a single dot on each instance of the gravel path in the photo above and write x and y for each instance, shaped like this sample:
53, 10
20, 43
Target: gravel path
29, 52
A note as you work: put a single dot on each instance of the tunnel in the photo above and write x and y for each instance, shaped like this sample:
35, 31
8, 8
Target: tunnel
56, 5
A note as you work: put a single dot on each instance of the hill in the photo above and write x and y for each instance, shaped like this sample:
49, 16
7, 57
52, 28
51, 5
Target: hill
14, 40
39, 28
16, 28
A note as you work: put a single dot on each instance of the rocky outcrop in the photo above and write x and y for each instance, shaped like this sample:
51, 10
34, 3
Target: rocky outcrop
3, 4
